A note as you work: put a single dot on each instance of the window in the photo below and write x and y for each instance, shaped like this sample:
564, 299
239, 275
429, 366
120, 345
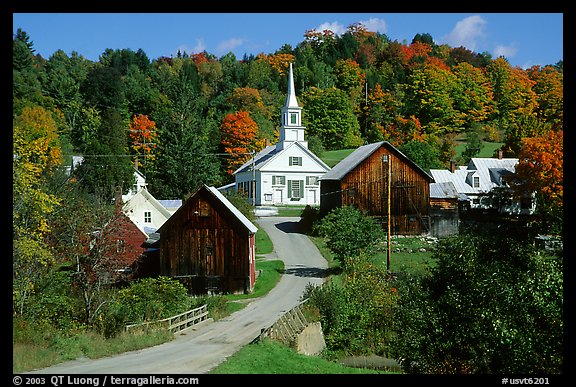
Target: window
268, 197
293, 118
295, 189
147, 217
295, 160
311, 180
203, 208
476, 181
120, 246
278, 180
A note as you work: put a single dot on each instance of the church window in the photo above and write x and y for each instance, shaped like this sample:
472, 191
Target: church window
293, 118
295, 189
295, 160
278, 180
311, 180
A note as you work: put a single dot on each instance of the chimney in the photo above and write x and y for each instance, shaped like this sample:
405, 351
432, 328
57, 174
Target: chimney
500, 153
452, 166
267, 142
136, 163
118, 198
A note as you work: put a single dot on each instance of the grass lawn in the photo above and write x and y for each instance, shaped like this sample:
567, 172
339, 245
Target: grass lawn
331, 158
270, 357
488, 148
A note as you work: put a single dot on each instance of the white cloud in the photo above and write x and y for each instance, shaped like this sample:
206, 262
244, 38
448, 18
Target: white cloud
375, 25
505, 51
335, 27
229, 45
200, 46
467, 32
372, 24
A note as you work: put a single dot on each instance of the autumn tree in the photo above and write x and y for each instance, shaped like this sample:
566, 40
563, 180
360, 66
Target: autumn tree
378, 116
143, 136
429, 95
36, 152
512, 90
239, 139
549, 89
540, 171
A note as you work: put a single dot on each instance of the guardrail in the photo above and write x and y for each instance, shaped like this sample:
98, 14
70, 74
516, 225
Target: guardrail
288, 326
175, 323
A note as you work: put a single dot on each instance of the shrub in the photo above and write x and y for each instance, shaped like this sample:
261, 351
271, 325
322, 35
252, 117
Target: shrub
492, 304
349, 232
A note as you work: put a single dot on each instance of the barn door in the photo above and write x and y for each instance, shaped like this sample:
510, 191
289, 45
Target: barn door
207, 249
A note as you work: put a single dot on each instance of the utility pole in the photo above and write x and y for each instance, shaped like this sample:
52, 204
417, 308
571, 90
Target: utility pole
253, 185
388, 160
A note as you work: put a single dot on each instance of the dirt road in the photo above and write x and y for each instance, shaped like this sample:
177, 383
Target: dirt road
199, 350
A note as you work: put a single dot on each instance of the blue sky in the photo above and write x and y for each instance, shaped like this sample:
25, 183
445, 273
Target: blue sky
525, 39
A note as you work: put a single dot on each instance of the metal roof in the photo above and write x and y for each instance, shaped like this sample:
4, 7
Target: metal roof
241, 217
267, 154
362, 153
489, 170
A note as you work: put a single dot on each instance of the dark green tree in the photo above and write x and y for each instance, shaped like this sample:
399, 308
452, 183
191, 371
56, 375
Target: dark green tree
329, 115
349, 232
491, 304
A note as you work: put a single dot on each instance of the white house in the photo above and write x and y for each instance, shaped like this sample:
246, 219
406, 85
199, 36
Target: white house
286, 172
479, 180
145, 211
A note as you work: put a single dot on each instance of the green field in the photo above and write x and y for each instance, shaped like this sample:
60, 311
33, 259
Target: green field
331, 158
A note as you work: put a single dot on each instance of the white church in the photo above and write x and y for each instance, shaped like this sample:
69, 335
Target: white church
286, 173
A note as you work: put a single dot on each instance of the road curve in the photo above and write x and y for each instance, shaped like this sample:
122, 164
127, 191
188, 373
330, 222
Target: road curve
200, 349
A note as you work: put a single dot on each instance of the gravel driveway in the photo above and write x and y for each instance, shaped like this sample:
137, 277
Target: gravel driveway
199, 349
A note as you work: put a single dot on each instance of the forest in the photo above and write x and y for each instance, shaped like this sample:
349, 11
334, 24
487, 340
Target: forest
192, 119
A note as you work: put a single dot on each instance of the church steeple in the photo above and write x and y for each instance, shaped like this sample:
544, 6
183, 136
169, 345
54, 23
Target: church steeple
291, 129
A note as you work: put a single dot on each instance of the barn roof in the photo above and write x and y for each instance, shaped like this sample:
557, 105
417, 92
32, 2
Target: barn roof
362, 153
241, 217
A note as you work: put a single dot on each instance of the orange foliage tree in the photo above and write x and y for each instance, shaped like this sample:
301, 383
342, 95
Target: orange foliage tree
540, 170
143, 136
239, 139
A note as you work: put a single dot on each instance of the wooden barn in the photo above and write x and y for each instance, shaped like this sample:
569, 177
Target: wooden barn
362, 179
209, 245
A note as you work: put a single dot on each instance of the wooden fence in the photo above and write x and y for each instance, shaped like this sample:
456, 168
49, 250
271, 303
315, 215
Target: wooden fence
176, 323
288, 326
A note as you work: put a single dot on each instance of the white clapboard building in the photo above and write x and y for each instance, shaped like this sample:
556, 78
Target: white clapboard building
286, 173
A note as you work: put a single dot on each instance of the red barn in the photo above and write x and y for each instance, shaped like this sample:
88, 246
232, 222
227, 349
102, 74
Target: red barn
209, 245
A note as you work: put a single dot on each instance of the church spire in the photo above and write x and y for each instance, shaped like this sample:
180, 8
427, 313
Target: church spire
291, 129
291, 101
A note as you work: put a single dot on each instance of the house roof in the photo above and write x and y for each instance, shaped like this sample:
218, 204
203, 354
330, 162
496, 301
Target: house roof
170, 203
362, 153
131, 203
489, 170
241, 217
266, 155
445, 190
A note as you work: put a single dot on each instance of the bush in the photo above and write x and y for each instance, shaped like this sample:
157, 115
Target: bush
348, 232
357, 316
492, 304
148, 299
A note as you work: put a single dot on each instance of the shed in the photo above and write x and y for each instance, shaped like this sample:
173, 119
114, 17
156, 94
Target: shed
361, 179
209, 245
444, 209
